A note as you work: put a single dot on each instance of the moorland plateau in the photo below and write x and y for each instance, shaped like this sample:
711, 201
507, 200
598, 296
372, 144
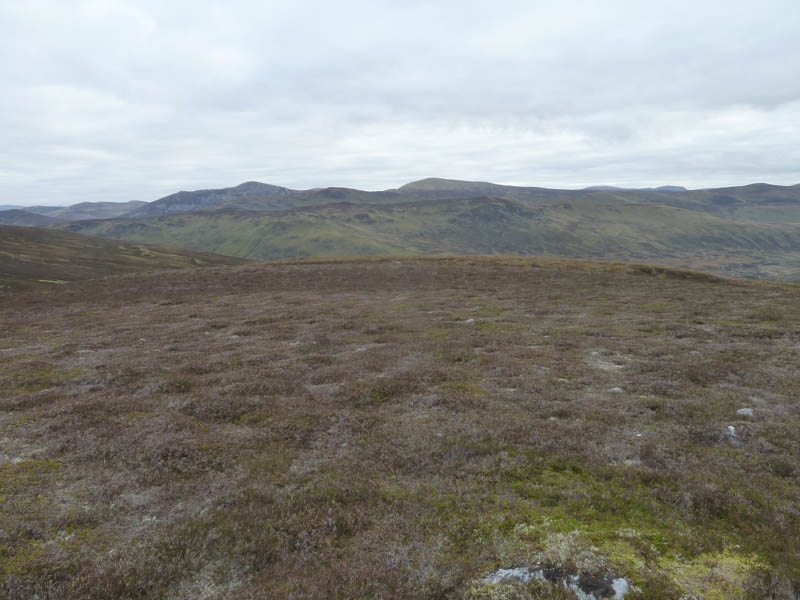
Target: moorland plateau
396, 427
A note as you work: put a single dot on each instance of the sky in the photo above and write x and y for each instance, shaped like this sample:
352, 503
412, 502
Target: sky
109, 100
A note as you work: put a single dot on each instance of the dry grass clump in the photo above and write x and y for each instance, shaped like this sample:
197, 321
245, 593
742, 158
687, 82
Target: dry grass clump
363, 429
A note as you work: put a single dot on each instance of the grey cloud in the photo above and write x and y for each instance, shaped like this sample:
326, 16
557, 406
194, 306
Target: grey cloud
116, 100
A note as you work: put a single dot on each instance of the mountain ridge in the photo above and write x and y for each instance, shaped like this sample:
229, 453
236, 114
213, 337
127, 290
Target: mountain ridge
87, 210
193, 200
661, 188
748, 231
735, 203
642, 232
254, 195
24, 218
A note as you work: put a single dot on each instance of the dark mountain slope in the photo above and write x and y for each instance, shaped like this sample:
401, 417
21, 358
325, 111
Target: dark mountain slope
96, 210
760, 203
24, 218
44, 210
183, 202
662, 188
314, 197
87, 210
757, 203
434, 187
639, 232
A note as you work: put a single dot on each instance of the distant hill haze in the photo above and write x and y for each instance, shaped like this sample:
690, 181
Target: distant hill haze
643, 232
42, 216
260, 197
183, 202
748, 231
263, 197
16, 216
87, 210
663, 188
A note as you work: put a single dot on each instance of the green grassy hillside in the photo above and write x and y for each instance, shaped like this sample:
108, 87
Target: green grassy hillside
31, 257
638, 232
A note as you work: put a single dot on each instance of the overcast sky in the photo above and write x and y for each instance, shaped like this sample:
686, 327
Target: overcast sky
121, 100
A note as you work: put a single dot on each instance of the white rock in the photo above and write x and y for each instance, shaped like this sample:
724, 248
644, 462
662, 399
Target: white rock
621, 587
745, 412
523, 574
731, 431
616, 390
569, 582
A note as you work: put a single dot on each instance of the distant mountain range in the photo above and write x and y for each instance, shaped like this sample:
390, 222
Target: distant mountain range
183, 202
16, 216
262, 197
88, 210
750, 231
730, 202
19, 215
663, 188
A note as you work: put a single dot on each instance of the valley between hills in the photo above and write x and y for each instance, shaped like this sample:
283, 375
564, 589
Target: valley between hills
748, 231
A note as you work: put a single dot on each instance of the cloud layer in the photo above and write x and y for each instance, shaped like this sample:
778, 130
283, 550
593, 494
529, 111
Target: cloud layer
116, 100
